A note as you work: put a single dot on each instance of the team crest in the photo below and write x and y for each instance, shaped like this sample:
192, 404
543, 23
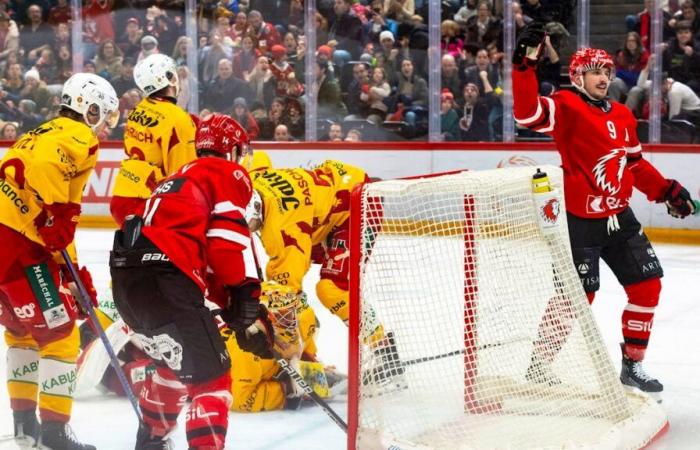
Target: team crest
550, 211
608, 171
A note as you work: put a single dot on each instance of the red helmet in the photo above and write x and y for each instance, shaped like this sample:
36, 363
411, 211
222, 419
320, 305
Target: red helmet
221, 134
586, 59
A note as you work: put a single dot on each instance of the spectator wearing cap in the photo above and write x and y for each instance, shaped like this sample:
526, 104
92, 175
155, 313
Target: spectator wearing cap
35, 35
246, 58
449, 120
130, 40
9, 37
681, 58
108, 60
265, 33
346, 28
262, 83
280, 69
388, 55
35, 89
220, 91
474, 115
149, 46
245, 118
59, 13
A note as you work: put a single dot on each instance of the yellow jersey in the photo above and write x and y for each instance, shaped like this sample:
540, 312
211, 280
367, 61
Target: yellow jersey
50, 164
158, 140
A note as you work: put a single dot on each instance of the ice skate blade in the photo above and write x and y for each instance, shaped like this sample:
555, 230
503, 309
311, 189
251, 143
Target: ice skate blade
655, 395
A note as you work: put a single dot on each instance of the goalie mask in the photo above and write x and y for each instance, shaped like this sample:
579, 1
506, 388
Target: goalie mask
283, 305
221, 134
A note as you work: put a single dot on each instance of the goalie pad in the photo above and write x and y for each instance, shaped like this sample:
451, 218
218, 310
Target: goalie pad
94, 360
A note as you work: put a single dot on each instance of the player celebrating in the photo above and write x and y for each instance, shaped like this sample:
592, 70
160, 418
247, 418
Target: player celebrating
158, 139
193, 222
602, 161
42, 177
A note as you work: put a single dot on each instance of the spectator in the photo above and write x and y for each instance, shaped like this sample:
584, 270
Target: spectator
165, 30
449, 120
335, 132
346, 28
484, 74
687, 13
387, 55
282, 133
182, 46
245, 118
353, 135
47, 66
108, 60
35, 35
467, 11
295, 88
64, 62
280, 69
629, 62
360, 78
130, 41
8, 132
35, 90
681, 57
246, 59
484, 28
97, 25
474, 120
321, 28
400, 10
13, 84
450, 74
295, 21
89, 67
239, 28
149, 46
60, 13
374, 95
378, 23
124, 81
265, 33
27, 114
327, 92
210, 56
9, 36
187, 84
290, 46
219, 91
451, 43
275, 116
412, 92
262, 83
641, 23
683, 102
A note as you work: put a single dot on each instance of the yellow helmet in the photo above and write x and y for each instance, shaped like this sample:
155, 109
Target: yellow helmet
259, 160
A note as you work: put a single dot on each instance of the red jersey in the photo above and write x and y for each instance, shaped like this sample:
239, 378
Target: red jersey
196, 216
600, 152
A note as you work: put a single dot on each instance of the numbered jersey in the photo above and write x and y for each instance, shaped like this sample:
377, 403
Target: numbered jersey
158, 140
196, 217
600, 152
50, 164
296, 202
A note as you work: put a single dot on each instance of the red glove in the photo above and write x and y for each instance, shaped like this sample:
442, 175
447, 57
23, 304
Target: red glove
86, 279
57, 225
195, 118
365, 88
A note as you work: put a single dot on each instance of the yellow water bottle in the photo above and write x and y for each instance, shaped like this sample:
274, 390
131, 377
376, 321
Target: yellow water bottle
540, 182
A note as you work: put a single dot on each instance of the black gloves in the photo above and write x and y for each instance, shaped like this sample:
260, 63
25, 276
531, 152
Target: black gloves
248, 319
678, 200
529, 46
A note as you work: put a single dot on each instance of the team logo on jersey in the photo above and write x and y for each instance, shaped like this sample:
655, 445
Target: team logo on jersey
583, 268
608, 170
550, 211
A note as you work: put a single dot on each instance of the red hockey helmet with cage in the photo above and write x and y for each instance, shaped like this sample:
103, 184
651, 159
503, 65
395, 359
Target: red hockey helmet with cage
221, 134
586, 59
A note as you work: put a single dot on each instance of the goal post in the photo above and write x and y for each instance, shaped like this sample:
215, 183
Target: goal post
470, 275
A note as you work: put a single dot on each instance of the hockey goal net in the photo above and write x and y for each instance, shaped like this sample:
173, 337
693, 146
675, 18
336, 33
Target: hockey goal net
489, 342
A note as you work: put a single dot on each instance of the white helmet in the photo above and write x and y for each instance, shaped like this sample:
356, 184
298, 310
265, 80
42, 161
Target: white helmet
82, 90
156, 72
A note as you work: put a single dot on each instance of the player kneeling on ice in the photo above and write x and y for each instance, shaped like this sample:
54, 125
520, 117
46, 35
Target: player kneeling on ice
193, 223
602, 161
42, 178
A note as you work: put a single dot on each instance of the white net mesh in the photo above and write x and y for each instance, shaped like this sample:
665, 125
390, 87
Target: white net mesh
485, 312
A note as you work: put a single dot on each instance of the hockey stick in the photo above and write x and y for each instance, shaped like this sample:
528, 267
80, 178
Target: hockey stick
413, 362
299, 380
84, 299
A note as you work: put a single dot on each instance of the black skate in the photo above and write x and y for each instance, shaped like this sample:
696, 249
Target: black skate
146, 441
540, 372
26, 428
389, 369
60, 436
633, 375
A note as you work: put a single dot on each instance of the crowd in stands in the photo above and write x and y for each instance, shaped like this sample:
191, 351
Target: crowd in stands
370, 68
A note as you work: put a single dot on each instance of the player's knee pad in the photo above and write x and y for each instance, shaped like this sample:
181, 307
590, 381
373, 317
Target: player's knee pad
161, 400
335, 299
207, 417
586, 261
645, 293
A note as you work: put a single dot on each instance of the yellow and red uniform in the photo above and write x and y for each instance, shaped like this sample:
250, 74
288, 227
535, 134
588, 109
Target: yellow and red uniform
48, 166
158, 140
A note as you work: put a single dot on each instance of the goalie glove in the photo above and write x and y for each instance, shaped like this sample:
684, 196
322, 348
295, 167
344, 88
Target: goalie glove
529, 46
678, 200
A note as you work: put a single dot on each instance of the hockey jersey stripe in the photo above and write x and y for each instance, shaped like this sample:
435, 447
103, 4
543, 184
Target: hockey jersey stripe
229, 235
640, 309
533, 118
227, 206
636, 149
174, 384
551, 122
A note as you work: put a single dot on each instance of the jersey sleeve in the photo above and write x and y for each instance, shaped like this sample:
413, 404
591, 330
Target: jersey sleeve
229, 246
647, 178
178, 143
529, 108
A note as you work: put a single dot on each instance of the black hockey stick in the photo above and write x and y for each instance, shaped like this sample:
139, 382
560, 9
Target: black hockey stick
413, 362
86, 303
308, 390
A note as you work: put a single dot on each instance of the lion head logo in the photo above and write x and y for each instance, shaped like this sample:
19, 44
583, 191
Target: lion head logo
550, 211
608, 171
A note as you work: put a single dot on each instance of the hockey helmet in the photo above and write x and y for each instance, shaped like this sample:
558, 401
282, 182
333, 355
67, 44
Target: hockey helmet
258, 160
586, 59
156, 72
221, 134
87, 93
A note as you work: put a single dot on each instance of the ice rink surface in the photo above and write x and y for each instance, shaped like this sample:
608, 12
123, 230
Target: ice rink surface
109, 422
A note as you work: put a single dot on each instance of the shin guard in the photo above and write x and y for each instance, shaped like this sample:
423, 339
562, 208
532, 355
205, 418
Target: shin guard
638, 316
207, 417
161, 401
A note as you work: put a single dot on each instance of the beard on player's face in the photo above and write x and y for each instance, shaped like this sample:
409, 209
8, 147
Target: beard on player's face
596, 84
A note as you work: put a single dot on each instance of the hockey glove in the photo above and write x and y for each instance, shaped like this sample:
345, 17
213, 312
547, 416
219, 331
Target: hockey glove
86, 279
258, 338
529, 46
678, 200
243, 302
57, 223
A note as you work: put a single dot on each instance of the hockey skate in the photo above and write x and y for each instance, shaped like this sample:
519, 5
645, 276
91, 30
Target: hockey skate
146, 441
634, 376
26, 428
388, 371
60, 436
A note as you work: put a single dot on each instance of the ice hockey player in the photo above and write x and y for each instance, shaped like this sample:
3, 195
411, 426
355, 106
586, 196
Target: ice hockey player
602, 161
296, 210
158, 139
42, 177
193, 222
